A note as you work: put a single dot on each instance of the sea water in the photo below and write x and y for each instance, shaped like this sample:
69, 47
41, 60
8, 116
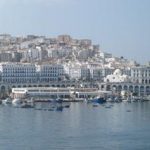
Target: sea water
118, 126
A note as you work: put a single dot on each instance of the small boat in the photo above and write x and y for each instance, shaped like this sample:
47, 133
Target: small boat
99, 100
147, 98
117, 99
110, 99
107, 106
17, 102
66, 106
59, 108
58, 100
133, 100
128, 99
38, 108
128, 110
7, 101
40, 100
26, 105
22, 104
50, 109
95, 105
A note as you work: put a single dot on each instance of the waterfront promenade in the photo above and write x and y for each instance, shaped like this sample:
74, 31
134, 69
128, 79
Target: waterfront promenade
139, 89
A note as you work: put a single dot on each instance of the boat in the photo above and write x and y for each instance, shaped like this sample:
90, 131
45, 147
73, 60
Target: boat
128, 110
7, 101
22, 104
148, 97
107, 106
127, 99
118, 99
42, 100
58, 100
110, 99
59, 108
30, 102
99, 100
17, 102
66, 106
27, 105
95, 105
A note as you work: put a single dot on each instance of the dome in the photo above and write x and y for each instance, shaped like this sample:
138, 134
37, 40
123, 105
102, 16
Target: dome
117, 72
117, 77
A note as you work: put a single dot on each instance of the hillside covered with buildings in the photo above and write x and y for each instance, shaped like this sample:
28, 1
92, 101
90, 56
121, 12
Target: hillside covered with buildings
39, 59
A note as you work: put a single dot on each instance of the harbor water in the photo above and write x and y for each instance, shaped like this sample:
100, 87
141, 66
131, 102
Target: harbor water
82, 126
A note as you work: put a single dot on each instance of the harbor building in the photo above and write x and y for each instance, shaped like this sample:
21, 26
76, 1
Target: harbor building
118, 82
50, 72
69, 93
141, 75
135, 89
17, 73
117, 76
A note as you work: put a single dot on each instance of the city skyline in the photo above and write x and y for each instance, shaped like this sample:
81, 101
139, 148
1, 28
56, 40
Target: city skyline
120, 27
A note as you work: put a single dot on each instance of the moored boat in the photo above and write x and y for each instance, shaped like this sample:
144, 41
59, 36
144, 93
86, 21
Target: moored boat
22, 104
128, 99
7, 101
99, 100
17, 102
59, 108
26, 105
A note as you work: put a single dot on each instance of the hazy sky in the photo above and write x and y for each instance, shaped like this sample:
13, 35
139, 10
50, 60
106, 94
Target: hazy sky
121, 27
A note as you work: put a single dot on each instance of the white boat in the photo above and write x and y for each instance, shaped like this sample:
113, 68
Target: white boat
17, 102
7, 101
29, 103
110, 99
128, 99
22, 104
147, 98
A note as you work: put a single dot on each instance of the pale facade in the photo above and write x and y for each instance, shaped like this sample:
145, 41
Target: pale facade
140, 74
51, 72
116, 77
18, 73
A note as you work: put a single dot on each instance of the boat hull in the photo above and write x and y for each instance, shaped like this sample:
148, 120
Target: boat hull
99, 100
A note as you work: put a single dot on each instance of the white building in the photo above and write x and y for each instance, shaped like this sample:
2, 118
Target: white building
85, 54
73, 69
51, 72
140, 74
18, 73
85, 72
105, 55
59, 53
117, 77
75, 72
96, 73
33, 54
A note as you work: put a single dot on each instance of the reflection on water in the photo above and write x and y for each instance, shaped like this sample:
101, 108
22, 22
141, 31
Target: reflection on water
81, 126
